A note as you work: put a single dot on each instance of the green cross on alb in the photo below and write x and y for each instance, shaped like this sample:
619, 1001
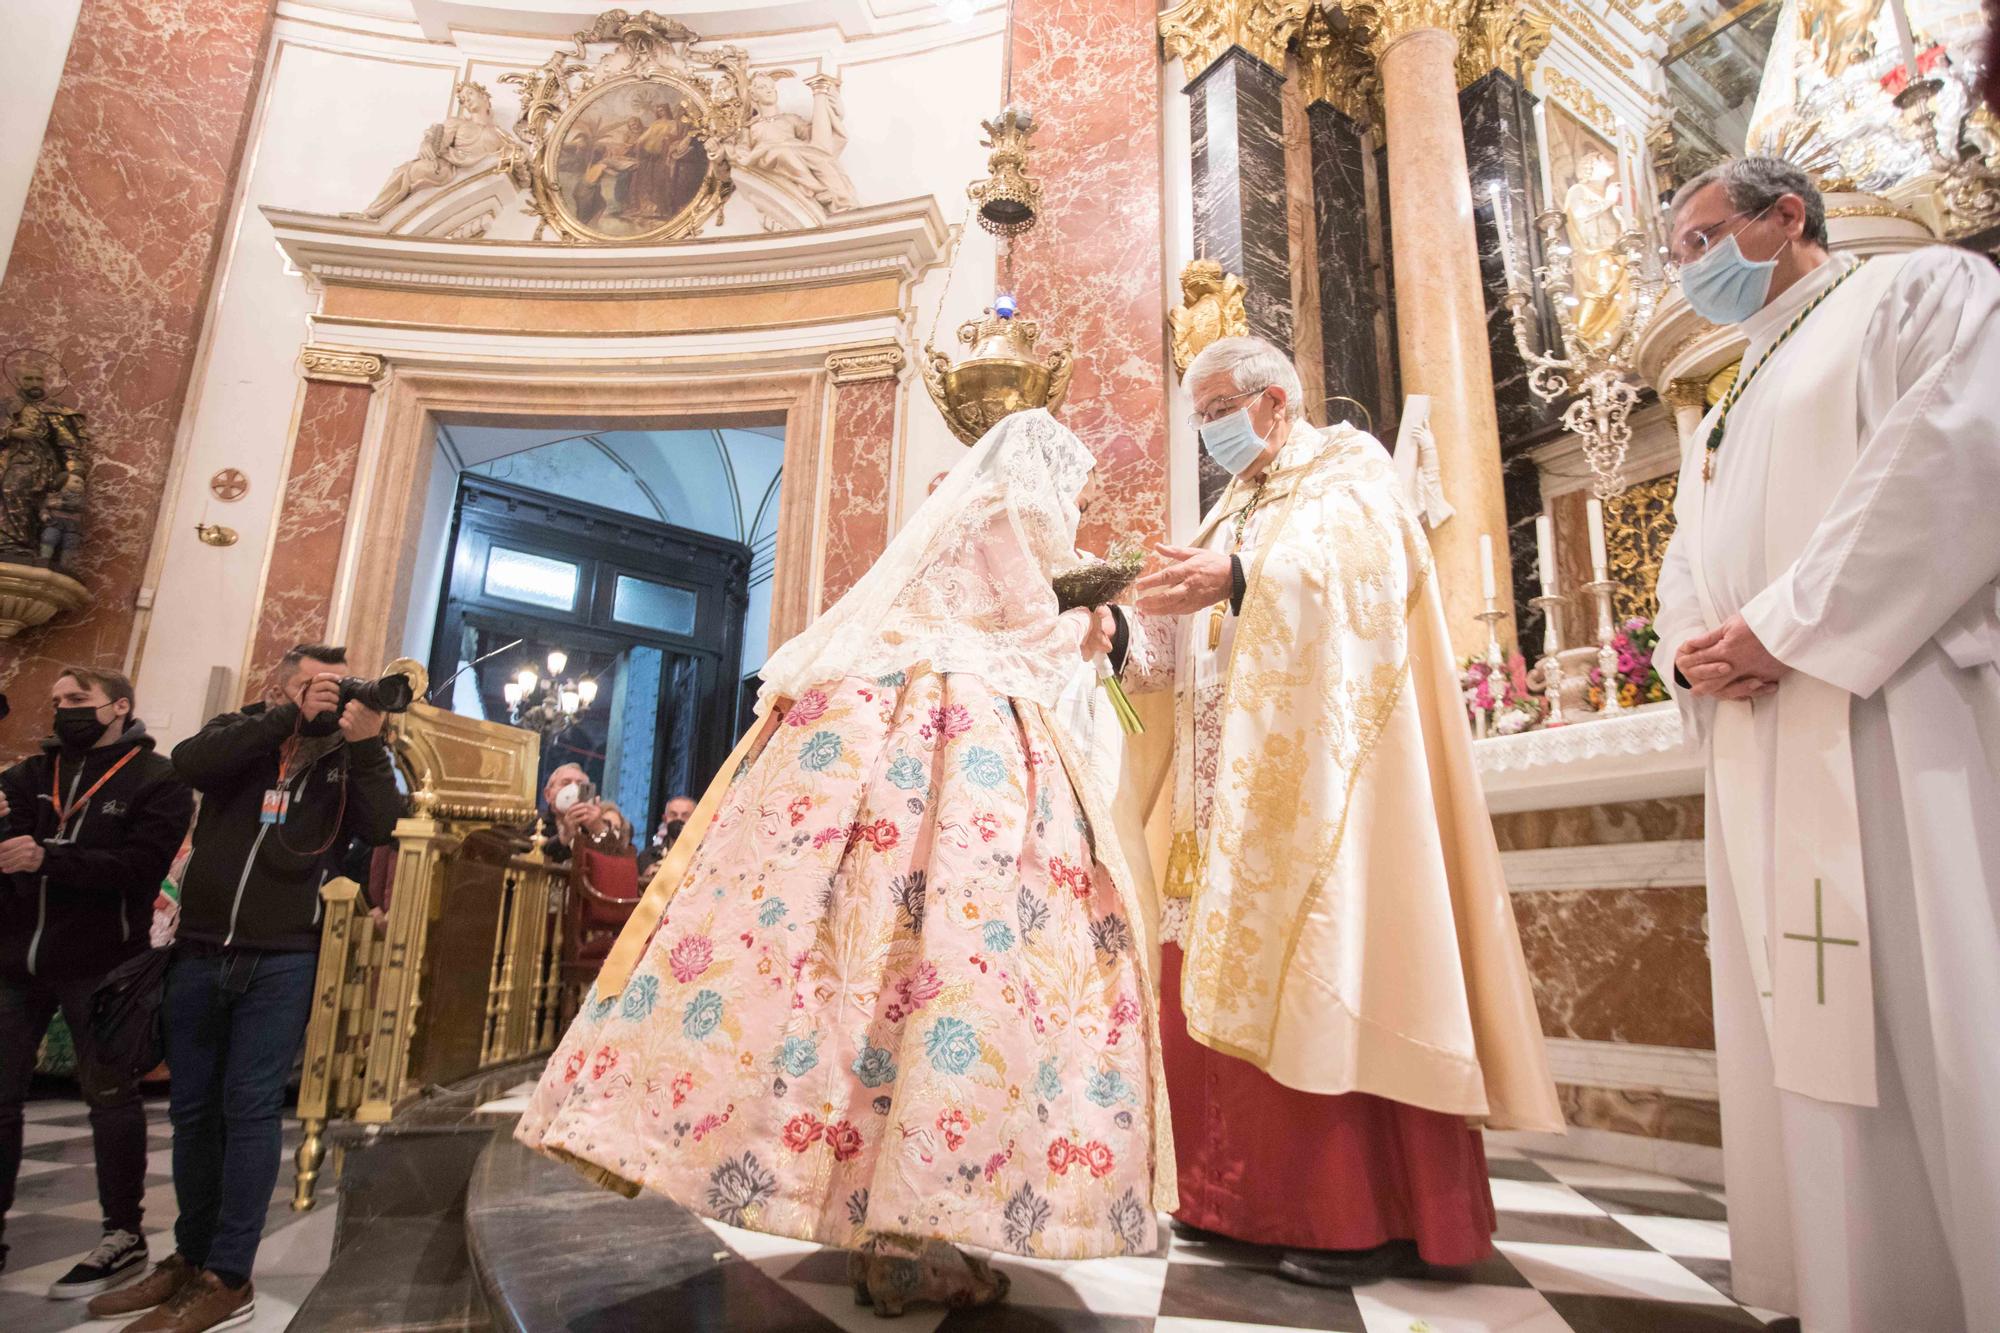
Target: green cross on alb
1819, 938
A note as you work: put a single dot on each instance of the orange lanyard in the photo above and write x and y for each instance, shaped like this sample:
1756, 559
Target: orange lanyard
63, 812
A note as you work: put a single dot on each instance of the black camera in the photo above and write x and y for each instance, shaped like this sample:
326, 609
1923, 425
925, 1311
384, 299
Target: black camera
391, 694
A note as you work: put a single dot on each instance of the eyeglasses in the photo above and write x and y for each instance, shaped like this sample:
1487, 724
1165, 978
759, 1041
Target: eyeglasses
1699, 240
1219, 408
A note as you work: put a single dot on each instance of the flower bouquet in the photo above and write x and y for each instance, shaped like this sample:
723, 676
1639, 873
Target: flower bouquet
1498, 698
1101, 583
1638, 683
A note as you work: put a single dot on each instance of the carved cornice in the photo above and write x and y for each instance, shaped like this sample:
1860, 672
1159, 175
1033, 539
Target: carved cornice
336, 366
857, 365
1336, 67
1502, 36
1199, 31
1578, 97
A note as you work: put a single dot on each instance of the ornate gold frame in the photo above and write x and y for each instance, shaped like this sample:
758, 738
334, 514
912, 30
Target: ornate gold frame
555, 209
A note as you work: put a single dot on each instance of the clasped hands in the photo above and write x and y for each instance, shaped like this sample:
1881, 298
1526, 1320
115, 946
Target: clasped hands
1729, 663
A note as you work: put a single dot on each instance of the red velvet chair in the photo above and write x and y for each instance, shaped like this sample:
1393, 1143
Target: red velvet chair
603, 890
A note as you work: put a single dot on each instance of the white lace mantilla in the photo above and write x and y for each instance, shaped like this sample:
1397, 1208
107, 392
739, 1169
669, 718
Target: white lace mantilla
1653, 729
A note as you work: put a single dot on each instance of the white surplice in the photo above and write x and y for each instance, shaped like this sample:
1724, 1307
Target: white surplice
1883, 1218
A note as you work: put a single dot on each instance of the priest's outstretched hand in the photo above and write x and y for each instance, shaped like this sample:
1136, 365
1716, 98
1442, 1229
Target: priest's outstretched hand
1194, 580
1729, 663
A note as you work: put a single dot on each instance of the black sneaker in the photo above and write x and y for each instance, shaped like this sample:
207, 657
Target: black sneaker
117, 1257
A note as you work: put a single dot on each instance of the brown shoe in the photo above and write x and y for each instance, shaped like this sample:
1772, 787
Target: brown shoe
156, 1288
201, 1305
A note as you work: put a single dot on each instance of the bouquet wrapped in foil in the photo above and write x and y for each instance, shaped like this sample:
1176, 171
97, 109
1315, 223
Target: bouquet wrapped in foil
1101, 583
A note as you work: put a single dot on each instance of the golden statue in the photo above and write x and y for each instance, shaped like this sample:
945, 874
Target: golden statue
1211, 307
1841, 32
1595, 211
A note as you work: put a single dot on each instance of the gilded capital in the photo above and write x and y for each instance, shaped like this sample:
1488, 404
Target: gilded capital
1393, 20
338, 366
1336, 66
1505, 37
1688, 392
1199, 31
854, 365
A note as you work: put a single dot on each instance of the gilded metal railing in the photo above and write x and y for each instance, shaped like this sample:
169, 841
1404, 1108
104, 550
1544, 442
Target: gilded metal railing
468, 903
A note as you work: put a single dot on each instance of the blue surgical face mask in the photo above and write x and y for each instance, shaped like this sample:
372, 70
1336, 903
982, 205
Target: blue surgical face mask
1233, 442
1724, 287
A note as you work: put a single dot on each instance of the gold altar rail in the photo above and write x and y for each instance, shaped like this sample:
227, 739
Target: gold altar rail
464, 974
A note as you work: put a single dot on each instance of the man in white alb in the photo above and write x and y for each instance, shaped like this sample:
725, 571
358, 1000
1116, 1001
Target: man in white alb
1830, 606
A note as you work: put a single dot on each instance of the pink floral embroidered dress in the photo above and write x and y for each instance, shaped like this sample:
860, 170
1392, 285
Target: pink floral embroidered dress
897, 992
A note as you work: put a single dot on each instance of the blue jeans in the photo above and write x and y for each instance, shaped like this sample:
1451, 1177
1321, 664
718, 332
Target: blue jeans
234, 1021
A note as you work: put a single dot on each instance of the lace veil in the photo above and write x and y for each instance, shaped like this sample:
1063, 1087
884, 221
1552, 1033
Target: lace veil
965, 585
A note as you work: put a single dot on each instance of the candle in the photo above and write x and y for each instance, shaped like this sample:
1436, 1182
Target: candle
1486, 585
1900, 12
1545, 549
1500, 224
1599, 566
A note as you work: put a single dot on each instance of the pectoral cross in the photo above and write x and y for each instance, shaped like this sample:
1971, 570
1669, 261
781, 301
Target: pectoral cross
1819, 939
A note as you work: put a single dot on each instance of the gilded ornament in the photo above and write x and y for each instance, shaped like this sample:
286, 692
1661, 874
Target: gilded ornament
1687, 392
1008, 199
1638, 523
1580, 99
1505, 37
215, 534
1336, 66
1718, 384
1211, 307
1003, 371
1393, 20
31, 597
339, 367
1199, 31
857, 365
229, 485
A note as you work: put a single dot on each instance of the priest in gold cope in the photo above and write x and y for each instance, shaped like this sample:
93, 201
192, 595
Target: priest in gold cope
1345, 996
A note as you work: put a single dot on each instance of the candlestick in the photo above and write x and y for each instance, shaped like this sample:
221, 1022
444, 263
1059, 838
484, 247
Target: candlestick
1599, 564
1607, 653
1900, 14
1487, 589
1545, 552
1501, 225
1493, 615
1551, 664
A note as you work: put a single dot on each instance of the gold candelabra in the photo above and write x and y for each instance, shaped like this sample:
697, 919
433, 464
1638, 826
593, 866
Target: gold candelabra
1596, 374
1968, 185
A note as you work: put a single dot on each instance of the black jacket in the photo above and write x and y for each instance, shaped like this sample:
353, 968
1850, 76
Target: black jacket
255, 885
90, 906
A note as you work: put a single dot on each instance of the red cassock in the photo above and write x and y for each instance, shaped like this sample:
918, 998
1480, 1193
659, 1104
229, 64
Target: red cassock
1269, 1164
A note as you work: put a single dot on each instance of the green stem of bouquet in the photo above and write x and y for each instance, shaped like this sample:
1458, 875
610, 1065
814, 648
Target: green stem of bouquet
1121, 703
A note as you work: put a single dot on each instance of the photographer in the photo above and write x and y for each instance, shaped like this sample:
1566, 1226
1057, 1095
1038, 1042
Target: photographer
576, 811
87, 828
284, 786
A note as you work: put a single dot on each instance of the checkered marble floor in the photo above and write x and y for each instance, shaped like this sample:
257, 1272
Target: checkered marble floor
56, 1220
1581, 1247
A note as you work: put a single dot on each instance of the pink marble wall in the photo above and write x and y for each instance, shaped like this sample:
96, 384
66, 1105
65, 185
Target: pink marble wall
1090, 71
111, 271
862, 446
312, 520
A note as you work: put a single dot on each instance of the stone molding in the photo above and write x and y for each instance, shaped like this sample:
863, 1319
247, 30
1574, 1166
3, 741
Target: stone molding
335, 365
857, 365
1679, 863
1676, 1070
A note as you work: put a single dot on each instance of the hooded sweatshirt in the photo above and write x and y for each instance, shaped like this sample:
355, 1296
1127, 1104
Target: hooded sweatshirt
105, 850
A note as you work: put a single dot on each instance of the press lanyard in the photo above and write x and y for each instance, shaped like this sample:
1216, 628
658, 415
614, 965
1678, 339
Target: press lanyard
63, 812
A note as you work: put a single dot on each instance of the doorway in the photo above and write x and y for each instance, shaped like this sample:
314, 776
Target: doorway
618, 637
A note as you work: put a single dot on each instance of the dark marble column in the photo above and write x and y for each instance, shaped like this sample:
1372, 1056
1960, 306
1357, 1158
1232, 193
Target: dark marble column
1500, 146
1346, 286
1239, 196
1388, 346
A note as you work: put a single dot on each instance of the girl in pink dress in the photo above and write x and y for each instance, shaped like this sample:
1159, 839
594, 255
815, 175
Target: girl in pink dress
889, 992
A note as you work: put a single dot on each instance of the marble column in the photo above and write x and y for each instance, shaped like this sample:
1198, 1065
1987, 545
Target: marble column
1440, 308
111, 270
1381, 246
1236, 104
296, 602
861, 461
1092, 267
1497, 115
1340, 165
1689, 399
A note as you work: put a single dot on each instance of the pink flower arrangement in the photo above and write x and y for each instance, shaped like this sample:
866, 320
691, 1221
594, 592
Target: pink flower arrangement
1638, 682
1500, 697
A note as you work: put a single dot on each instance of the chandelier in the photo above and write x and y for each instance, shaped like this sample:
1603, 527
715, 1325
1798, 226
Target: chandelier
551, 703
1595, 370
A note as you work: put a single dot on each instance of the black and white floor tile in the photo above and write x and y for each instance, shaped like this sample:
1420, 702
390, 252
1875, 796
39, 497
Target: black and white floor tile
1581, 1248
55, 1221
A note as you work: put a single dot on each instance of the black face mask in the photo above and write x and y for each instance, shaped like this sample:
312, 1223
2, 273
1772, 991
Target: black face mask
79, 728
674, 827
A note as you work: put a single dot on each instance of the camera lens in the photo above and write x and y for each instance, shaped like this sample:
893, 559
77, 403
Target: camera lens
391, 694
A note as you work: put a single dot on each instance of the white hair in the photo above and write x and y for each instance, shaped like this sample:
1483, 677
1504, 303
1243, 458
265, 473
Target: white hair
1251, 364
